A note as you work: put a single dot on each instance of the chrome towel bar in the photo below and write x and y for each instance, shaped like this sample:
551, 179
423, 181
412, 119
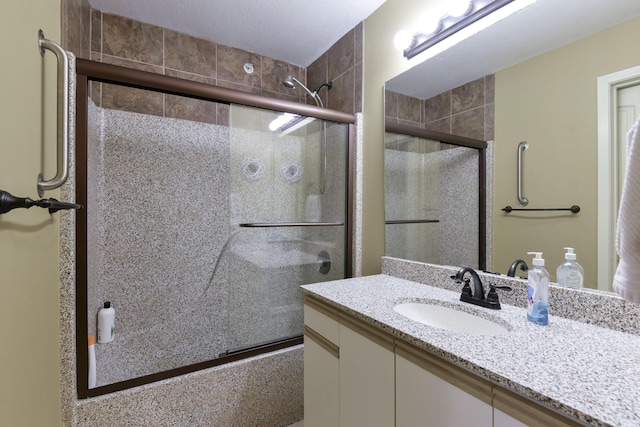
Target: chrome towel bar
62, 117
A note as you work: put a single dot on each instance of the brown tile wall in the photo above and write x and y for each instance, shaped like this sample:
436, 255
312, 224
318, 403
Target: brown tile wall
76, 26
465, 111
113, 39
341, 64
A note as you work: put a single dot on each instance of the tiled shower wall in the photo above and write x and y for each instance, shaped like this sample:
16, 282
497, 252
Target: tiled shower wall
341, 64
466, 110
112, 39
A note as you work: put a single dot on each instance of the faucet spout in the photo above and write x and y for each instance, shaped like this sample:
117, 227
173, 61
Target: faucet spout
478, 290
512, 270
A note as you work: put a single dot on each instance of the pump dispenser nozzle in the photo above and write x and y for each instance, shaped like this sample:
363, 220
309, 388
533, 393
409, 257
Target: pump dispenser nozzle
570, 254
538, 260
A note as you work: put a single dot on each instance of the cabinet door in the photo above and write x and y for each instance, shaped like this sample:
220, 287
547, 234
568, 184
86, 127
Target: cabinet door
321, 369
321, 384
366, 379
426, 399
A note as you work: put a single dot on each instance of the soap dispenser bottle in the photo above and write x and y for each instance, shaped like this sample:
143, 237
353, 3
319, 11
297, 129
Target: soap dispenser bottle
538, 294
570, 273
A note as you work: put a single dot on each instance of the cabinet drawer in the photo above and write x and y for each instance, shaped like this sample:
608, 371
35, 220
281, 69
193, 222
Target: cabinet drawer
321, 323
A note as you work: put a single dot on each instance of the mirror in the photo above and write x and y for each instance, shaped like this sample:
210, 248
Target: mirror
540, 70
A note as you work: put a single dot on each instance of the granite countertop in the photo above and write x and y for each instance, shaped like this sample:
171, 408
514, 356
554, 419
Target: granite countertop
587, 372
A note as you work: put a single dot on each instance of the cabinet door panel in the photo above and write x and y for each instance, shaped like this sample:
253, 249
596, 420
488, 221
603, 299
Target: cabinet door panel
423, 399
321, 384
366, 382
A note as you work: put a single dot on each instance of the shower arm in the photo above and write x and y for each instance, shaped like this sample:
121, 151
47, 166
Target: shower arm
314, 95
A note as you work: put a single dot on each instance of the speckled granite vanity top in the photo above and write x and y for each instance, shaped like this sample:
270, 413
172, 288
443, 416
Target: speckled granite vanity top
586, 371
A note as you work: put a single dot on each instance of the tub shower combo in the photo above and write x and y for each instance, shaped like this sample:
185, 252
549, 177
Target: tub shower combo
206, 209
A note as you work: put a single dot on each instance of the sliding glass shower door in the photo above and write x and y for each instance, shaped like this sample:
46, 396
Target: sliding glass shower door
202, 221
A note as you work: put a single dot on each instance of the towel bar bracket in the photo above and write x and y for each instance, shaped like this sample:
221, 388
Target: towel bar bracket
9, 202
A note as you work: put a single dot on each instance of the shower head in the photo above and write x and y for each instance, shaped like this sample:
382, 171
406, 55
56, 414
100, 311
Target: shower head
288, 82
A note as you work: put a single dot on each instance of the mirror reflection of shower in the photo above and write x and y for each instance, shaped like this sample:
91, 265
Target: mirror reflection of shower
290, 82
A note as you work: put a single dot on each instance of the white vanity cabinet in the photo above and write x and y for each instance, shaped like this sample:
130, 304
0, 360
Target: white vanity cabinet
356, 375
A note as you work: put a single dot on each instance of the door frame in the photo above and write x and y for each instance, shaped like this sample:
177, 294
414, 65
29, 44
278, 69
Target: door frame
608, 87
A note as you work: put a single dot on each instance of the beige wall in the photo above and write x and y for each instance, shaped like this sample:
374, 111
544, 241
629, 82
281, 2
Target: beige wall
382, 61
29, 306
550, 101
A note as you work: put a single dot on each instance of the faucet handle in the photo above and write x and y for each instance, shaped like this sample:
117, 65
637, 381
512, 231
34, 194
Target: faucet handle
466, 289
492, 295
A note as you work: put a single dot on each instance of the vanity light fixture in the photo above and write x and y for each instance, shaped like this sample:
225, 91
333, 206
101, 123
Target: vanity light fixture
482, 13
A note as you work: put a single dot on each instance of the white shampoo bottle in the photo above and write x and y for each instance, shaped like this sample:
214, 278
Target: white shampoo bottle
106, 323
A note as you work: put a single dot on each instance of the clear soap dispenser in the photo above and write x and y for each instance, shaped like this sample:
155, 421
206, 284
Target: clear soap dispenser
570, 273
538, 295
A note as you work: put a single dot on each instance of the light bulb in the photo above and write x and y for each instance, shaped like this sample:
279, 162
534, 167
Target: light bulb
403, 40
459, 8
431, 25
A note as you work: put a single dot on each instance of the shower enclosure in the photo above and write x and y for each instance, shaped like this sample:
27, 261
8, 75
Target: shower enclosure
202, 218
435, 207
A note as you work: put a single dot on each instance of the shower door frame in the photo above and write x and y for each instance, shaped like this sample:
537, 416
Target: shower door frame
91, 71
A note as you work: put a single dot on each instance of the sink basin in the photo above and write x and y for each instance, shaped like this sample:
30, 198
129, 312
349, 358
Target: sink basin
451, 319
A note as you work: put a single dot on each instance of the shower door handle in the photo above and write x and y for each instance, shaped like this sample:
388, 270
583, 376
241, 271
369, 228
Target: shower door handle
521, 199
62, 116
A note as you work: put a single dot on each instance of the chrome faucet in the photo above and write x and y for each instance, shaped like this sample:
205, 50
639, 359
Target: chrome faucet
512, 270
477, 296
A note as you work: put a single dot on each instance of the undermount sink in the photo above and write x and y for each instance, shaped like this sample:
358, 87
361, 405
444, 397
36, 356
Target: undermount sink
451, 319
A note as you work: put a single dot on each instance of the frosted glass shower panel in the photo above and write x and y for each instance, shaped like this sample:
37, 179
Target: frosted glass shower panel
431, 201
158, 217
290, 176
265, 268
287, 207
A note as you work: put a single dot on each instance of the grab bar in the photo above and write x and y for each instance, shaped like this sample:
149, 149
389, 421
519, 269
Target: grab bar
521, 147
63, 116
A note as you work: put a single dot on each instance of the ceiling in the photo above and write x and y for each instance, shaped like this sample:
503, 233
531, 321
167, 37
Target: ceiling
299, 31
541, 27
294, 31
